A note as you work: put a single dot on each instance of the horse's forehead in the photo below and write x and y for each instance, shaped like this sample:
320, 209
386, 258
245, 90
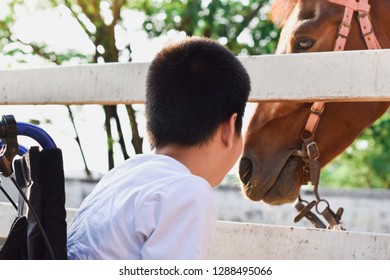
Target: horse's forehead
282, 10
305, 10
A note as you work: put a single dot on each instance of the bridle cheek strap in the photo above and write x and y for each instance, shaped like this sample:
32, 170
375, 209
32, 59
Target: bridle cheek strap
314, 118
368, 32
310, 152
363, 10
351, 6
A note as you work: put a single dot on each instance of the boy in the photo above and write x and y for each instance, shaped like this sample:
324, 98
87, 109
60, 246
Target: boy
161, 206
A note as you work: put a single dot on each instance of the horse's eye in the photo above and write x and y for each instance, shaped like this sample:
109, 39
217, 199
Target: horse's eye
305, 44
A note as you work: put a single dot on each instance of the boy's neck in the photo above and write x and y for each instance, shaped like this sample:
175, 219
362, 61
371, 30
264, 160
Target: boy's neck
200, 160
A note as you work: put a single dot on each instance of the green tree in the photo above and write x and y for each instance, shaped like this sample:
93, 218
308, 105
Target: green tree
243, 26
366, 162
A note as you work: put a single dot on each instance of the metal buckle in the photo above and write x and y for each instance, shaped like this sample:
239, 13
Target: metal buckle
344, 24
368, 33
363, 14
340, 26
341, 35
317, 112
312, 150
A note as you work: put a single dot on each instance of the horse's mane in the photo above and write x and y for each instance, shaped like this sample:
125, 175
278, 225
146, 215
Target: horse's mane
281, 10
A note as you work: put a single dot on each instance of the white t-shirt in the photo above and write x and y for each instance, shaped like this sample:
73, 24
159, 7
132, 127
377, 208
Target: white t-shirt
149, 207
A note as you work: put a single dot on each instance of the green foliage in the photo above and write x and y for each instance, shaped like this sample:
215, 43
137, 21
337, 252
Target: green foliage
366, 162
243, 26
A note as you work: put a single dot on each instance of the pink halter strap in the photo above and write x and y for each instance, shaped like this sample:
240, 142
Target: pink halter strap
362, 8
351, 6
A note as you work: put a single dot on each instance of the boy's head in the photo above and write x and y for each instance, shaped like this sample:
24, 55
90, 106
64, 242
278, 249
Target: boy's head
193, 86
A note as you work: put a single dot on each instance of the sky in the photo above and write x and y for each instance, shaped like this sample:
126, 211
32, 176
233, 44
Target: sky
45, 26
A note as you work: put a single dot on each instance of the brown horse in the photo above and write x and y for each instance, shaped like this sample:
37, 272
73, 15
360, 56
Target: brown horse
269, 169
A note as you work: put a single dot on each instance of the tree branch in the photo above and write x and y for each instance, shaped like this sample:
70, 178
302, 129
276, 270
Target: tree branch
94, 15
116, 11
68, 4
121, 139
247, 19
77, 138
137, 139
108, 110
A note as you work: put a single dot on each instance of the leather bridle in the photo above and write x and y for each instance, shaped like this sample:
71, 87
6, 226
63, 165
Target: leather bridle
309, 151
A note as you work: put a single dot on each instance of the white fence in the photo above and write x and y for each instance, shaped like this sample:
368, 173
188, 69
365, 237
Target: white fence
334, 76
341, 76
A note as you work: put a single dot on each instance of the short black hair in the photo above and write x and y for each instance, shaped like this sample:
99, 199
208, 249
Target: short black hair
192, 87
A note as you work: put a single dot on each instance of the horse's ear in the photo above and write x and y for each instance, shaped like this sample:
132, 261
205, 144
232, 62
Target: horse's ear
281, 10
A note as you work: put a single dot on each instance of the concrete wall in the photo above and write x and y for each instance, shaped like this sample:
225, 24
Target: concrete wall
255, 241
364, 210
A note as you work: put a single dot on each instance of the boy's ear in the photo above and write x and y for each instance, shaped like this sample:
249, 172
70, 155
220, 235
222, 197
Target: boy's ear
229, 131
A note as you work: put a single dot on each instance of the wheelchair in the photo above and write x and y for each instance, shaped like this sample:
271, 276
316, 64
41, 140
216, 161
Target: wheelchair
39, 229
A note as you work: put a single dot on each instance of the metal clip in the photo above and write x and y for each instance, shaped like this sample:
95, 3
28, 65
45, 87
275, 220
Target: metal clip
332, 218
312, 150
305, 211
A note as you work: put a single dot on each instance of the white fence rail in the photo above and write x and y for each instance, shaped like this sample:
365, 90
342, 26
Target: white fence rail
341, 76
346, 76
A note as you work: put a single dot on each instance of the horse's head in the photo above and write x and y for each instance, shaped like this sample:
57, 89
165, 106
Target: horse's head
312, 26
269, 169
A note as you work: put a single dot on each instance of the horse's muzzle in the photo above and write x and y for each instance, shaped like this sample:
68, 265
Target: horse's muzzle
245, 170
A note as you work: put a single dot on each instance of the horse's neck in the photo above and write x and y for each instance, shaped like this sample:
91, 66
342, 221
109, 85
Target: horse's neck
380, 11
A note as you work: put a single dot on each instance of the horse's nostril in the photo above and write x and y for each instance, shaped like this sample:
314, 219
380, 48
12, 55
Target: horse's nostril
245, 170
